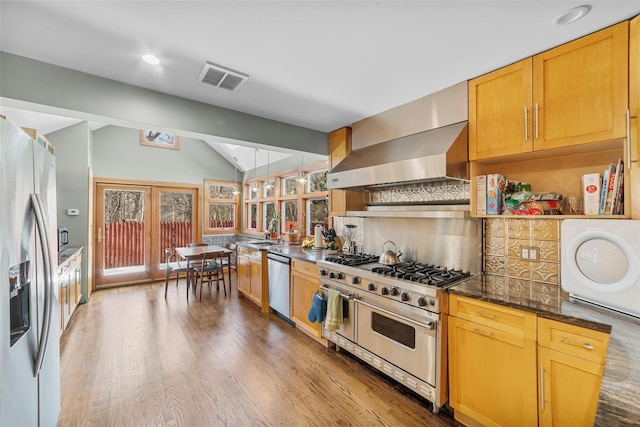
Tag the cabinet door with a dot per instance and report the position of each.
(569, 389)
(492, 375)
(303, 288)
(244, 281)
(255, 265)
(500, 112)
(339, 146)
(581, 89)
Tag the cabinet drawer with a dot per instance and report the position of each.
(574, 340)
(495, 316)
(242, 250)
(308, 268)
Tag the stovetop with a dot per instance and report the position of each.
(353, 260)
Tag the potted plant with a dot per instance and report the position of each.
(295, 235)
(274, 224)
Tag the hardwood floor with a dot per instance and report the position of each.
(132, 358)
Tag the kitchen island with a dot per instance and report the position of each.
(618, 403)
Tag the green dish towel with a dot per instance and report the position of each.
(334, 318)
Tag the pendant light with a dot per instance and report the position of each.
(235, 176)
(301, 177)
(268, 185)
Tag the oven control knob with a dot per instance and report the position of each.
(372, 286)
(355, 280)
(384, 290)
(405, 296)
(340, 275)
(422, 301)
(332, 275)
(395, 291)
(432, 302)
(323, 272)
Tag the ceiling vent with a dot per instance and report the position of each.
(224, 78)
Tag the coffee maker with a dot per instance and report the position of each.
(349, 245)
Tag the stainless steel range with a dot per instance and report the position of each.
(393, 318)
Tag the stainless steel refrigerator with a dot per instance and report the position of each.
(29, 309)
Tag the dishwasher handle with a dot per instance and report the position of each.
(279, 258)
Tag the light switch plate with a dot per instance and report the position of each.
(73, 212)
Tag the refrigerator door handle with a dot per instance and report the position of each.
(36, 203)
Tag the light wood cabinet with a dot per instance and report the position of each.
(493, 378)
(571, 364)
(573, 94)
(252, 280)
(341, 201)
(69, 275)
(549, 119)
(304, 283)
(634, 111)
(492, 364)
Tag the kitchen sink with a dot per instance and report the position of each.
(261, 242)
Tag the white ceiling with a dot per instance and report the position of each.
(317, 64)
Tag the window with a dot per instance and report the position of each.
(317, 182)
(253, 191)
(317, 213)
(269, 191)
(269, 211)
(289, 186)
(289, 215)
(221, 207)
(252, 215)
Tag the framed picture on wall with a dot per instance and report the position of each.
(155, 138)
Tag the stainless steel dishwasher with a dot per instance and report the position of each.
(279, 272)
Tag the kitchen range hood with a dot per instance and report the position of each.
(433, 155)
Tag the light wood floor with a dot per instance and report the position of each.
(131, 358)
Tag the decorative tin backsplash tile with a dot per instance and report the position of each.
(542, 229)
(514, 234)
(495, 227)
(494, 246)
(518, 288)
(452, 190)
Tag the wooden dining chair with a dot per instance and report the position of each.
(209, 271)
(173, 267)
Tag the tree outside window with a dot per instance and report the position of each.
(289, 215)
(317, 214)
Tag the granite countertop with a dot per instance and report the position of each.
(291, 251)
(618, 403)
(67, 253)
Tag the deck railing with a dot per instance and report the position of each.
(125, 244)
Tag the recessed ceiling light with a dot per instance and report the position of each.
(572, 15)
(150, 59)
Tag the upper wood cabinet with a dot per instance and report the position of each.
(340, 201)
(570, 95)
(500, 112)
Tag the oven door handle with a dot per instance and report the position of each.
(431, 325)
(343, 296)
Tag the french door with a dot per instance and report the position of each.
(135, 223)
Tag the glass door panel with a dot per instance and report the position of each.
(123, 234)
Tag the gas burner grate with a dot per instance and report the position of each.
(427, 274)
(357, 259)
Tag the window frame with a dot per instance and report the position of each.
(208, 201)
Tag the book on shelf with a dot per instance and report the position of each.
(618, 204)
(610, 185)
(591, 193)
(604, 189)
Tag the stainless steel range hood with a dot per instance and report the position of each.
(423, 140)
(432, 155)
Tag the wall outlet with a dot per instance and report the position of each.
(529, 253)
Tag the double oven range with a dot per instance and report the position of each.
(393, 318)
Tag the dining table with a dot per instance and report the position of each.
(194, 251)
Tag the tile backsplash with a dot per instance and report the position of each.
(437, 191)
(510, 275)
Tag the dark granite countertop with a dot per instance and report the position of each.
(618, 404)
(285, 249)
(67, 253)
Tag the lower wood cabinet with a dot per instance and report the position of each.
(304, 283)
(252, 279)
(571, 364)
(492, 364)
(494, 379)
(69, 275)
